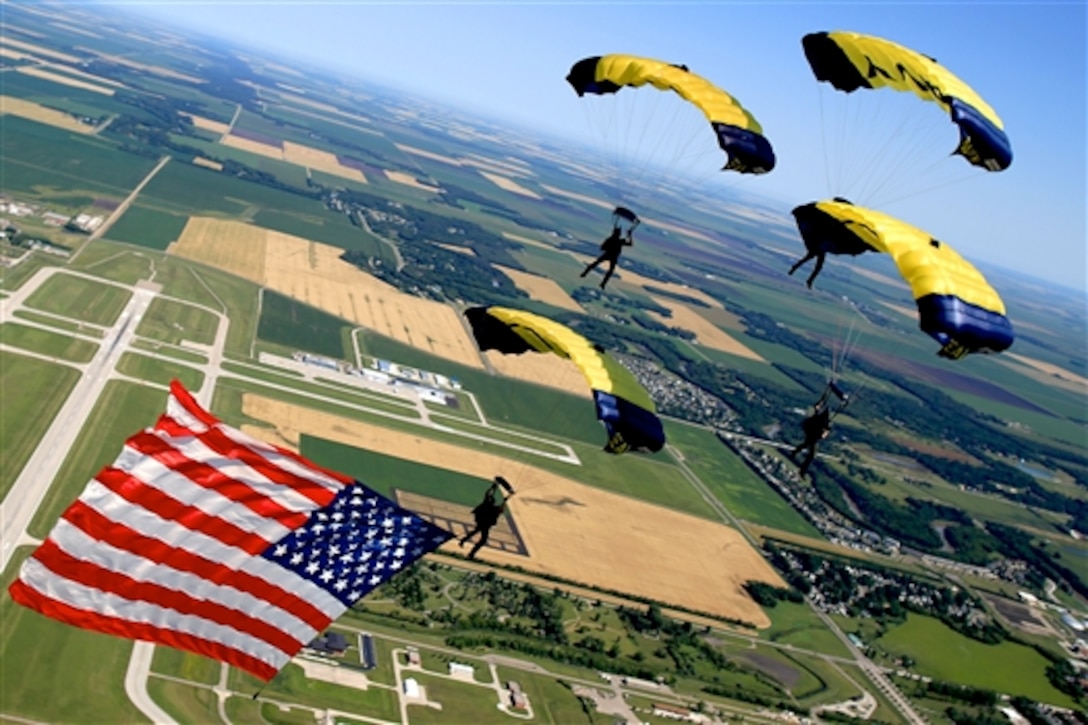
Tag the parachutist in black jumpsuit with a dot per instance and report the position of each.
(816, 427)
(611, 249)
(487, 514)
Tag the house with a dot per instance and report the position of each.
(330, 643)
(518, 700)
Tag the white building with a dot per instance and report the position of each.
(411, 689)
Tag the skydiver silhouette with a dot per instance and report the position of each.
(816, 427)
(611, 249)
(487, 513)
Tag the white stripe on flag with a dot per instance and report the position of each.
(117, 509)
(158, 476)
(77, 544)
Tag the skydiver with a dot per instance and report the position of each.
(487, 513)
(818, 425)
(611, 249)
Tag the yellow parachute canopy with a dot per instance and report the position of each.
(739, 133)
(850, 61)
(623, 405)
(956, 304)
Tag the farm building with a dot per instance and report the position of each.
(330, 643)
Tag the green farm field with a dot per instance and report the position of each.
(731, 481)
(171, 322)
(159, 371)
(943, 654)
(288, 322)
(146, 226)
(81, 299)
(796, 624)
(34, 391)
(44, 342)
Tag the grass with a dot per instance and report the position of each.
(33, 392)
(292, 685)
(731, 481)
(53, 344)
(58, 323)
(180, 280)
(461, 702)
(291, 323)
(234, 296)
(156, 370)
(122, 410)
(37, 654)
(113, 262)
(371, 401)
(551, 701)
(161, 350)
(145, 226)
(384, 473)
(944, 654)
(81, 299)
(171, 322)
(796, 624)
(185, 665)
(184, 703)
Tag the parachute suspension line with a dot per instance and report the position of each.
(823, 137)
(967, 177)
(901, 169)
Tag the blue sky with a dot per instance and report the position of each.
(508, 60)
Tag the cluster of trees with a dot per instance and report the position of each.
(768, 595)
(744, 695)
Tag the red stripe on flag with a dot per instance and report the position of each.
(54, 609)
(212, 478)
(140, 494)
(225, 446)
(120, 536)
(94, 576)
(180, 394)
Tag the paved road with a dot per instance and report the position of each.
(22, 502)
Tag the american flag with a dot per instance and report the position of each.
(205, 539)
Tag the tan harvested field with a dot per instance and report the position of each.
(527, 240)
(677, 289)
(881, 278)
(77, 31)
(577, 197)
(63, 79)
(38, 50)
(408, 180)
(427, 154)
(541, 288)
(1048, 373)
(314, 273)
(228, 245)
(319, 160)
(34, 112)
(549, 370)
(705, 333)
(571, 530)
(911, 312)
(498, 167)
(507, 184)
(156, 69)
(254, 147)
(459, 250)
(724, 318)
(91, 77)
(678, 230)
(207, 163)
(14, 54)
(208, 124)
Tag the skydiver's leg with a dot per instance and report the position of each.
(468, 535)
(484, 534)
(801, 262)
(611, 268)
(808, 460)
(592, 265)
(816, 270)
